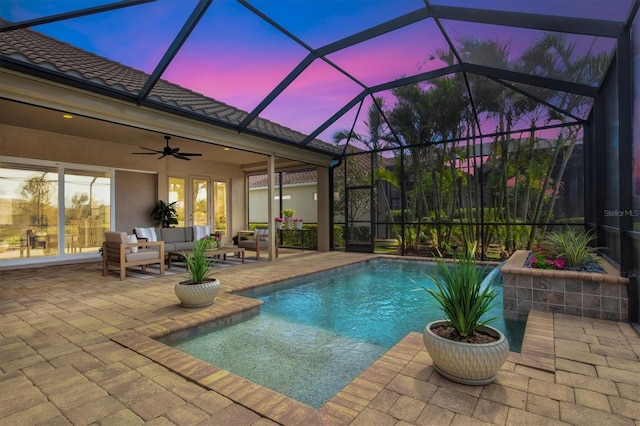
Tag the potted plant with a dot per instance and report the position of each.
(199, 289)
(279, 222)
(288, 217)
(164, 214)
(298, 222)
(462, 346)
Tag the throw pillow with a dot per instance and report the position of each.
(199, 232)
(132, 239)
(148, 233)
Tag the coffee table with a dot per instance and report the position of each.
(222, 251)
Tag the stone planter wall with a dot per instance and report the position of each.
(604, 296)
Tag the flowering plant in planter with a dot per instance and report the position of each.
(546, 257)
(211, 242)
(298, 219)
(569, 250)
(279, 219)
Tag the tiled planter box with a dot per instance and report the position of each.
(604, 296)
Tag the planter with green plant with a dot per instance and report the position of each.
(463, 347)
(569, 251)
(562, 274)
(199, 289)
(288, 217)
(164, 214)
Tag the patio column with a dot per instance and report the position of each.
(324, 220)
(271, 181)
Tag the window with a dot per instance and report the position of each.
(87, 208)
(32, 224)
(177, 194)
(220, 208)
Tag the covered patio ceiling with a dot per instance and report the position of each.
(296, 72)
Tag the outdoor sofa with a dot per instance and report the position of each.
(175, 239)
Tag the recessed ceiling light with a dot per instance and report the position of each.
(67, 116)
(227, 149)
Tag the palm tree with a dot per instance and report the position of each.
(553, 56)
(373, 141)
(505, 107)
(424, 118)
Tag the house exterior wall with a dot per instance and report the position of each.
(32, 144)
(301, 200)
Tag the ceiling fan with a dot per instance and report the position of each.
(168, 151)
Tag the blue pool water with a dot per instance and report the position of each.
(316, 334)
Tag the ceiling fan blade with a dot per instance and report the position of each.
(162, 156)
(181, 157)
(190, 154)
(153, 151)
(146, 153)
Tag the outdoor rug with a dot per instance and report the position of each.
(179, 268)
(153, 271)
(217, 263)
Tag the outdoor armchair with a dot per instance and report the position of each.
(118, 252)
(257, 240)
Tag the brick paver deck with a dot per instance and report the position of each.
(77, 348)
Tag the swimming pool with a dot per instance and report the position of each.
(315, 334)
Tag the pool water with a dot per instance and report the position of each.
(314, 335)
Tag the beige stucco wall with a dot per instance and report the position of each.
(55, 145)
(35, 144)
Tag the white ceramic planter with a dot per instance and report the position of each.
(197, 295)
(466, 363)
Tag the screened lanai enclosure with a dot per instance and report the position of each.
(445, 124)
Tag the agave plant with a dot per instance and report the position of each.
(461, 295)
(573, 246)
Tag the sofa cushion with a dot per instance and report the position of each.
(173, 235)
(133, 239)
(184, 245)
(148, 233)
(118, 237)
(199, 232)
(142, 255)
(115, 237)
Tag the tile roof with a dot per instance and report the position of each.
(38, 49)
(289, 178)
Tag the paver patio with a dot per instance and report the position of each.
(77, 348)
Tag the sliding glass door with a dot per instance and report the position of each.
(87, 209)
(50, 210)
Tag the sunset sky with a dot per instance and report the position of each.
(236, 57)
